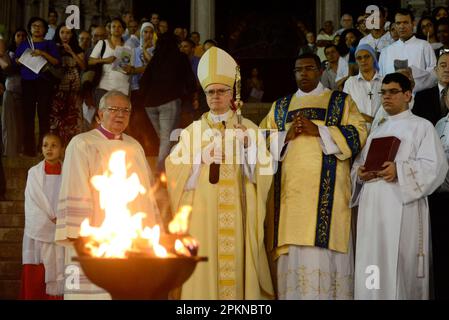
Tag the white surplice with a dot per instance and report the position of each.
(41, 195)
(420, 57)
(88, 155)
(393, 218)
(313, 273)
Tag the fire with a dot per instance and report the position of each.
(122, 232)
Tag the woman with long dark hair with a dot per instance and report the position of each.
(426, 30)
(12, 113)
(37, 89)
(66, 111)
(167, 79)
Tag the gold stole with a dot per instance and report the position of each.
(226, 225)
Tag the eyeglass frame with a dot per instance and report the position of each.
(220, 92)
(117, 110)
(306, 68)
(392, 92)
(442, 51)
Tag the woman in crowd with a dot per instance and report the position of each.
(426, 30)
(140, 126)
(167, 79)
(111, 79)
(66, 113)
(12, 113)
(37, 89)
(440, 12)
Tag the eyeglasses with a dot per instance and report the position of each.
(115, 110)
(389, 92)
(37, 25)
(306, 68)
(219, 92)
(443, 51)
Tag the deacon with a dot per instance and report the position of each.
(322, 130)
(392, 256)
(88, 155)
(210, 181)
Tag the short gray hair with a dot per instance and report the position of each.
(110, 94)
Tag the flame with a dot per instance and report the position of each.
(163, 178)
(122, 232)
(180, 223)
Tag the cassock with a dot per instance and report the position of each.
(310, 232)
(216, 217)
(393, 218)
(43, 259)
(88, 155)
(420, 58)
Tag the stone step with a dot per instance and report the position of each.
(12, 220)
(19, 162)
(9, 289)
(12, 207)
(10, 270)
(15, 194)
(11, 251)
(11, 235)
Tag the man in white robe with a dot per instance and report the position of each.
(88, 155)
(392, 250)
(417, 53)
(380, 38)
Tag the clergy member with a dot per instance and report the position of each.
(411, 52)
(365, 86)
(237, 267)
(310, 239)
(393, 248)
(88, 155)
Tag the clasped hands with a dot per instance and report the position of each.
(389, 173)
(302, 126)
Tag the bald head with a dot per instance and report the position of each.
(99, 33)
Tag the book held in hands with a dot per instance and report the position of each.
(380, 151)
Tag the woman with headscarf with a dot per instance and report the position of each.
(140, 127)
(364, 87)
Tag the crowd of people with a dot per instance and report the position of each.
(83, 66)
(315, 221)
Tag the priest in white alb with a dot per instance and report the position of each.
(411, 52)
(393, 248)
(88, 155)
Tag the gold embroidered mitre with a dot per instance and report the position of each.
(216, 66)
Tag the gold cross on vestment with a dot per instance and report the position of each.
(412, 174)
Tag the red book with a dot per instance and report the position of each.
(381, 150)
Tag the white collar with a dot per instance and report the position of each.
(215, 118)
(404, 114)
(410, 40)
(318, 90)
(376, 77)
(440, 87)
